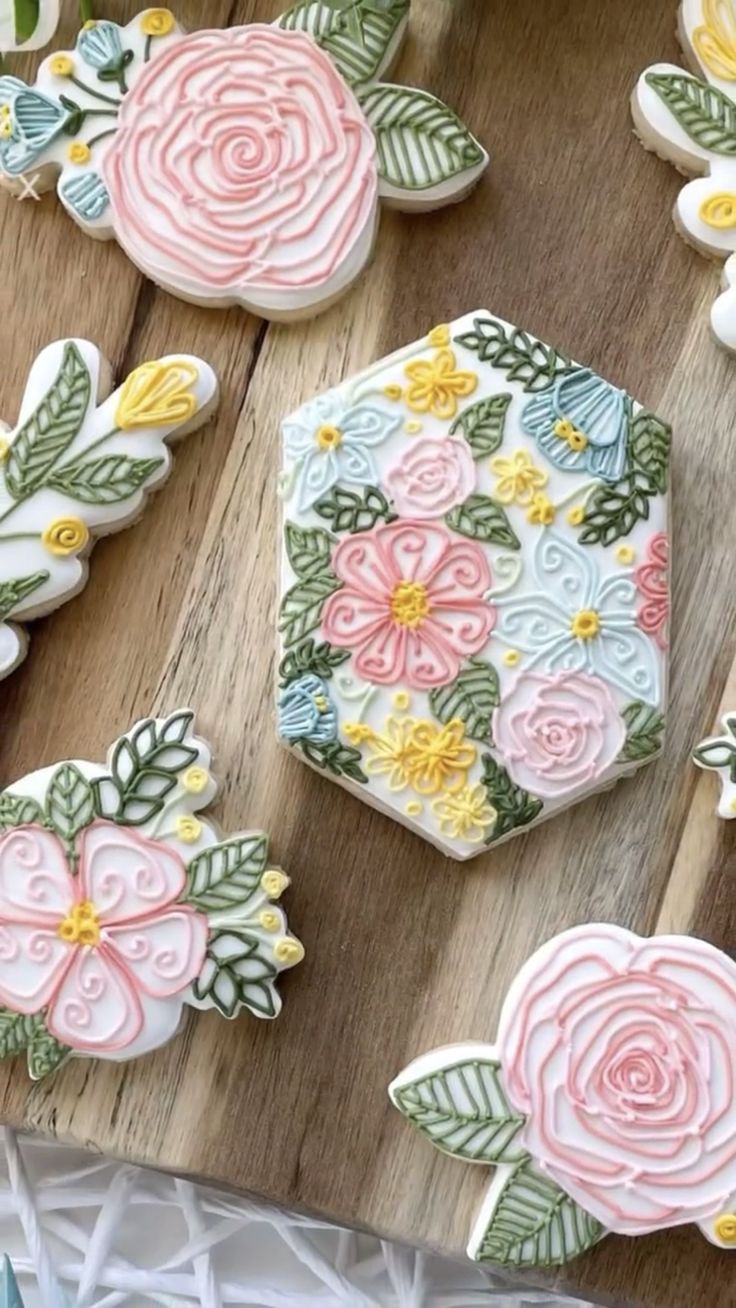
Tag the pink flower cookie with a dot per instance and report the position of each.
(607, 1104)
(240, 166)
(119, 905)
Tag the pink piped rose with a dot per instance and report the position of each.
(244, 168)
(106, 951)
(411, 606)
(621, 1054)
(557, 733)
(432, 477)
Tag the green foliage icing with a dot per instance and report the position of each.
(514, 806)
(19, 1034)
(309, 549)
(463, 1110)
(521, 357)
(144, 769)
(613, 511)
(44, 1054)
(483, 519)
(357, 34)
(707, 115)
(421, 143)
(107, 480)
(718, 752)
(341, 760)
(51, 428)
(17, 589)
(348, 511)
(644, 732)
(471, 697)
(226, 876)
(482, 425)
(535, 1224)
(238, 973)
(321, 660)
(69, 803)
(649, 443)
(301, 607)
(18, 810)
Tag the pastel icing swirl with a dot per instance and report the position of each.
(243, 168)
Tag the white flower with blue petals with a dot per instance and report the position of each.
(581, 423)
(332, 443)
(29, 122)
(306, 712)
(578, 622)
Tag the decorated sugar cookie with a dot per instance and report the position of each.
(718, 754)
(243, 166)
(79, 465)
(606, 1104)
(27, 24)
(690, 119)
(120, 903)
(475, 596)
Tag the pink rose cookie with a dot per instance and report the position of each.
(243, 166)
(119, 904)
(607, 1103)
(474, 609)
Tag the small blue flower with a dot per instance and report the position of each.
(581, 424)
(332, 443)
(29, 122)
(100, 45)
(86, 195)
(306, 712)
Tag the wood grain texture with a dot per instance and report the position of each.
(569, 236)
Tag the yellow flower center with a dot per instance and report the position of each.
(62, 66)
(328, 437)
(567, 431)
(79, 153)
(410, 603)
(542, 511)
(195, 780)
(357, 732)
(157, 22)
(575, 515)
(289, 951)
(81, 926)
(188, 829)
(586, 624)
(725, 1228)
(65, 536)
(6, 128)
(274, 882)
(269, 920)
(321, 703)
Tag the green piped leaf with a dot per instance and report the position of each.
(348, 511)
(481, 518)
(650, 440)
(44, 1053)
(644, 732)
(421, 143)
(16, 1030)
(144, 769)
(51, 428)
(463, 1110)
(106, 480)
(482, 425)
(357, 34)
(301, 607)
(238, 972)
(341, 760)
(535, 1224)
(69, 802)
(12, 592)
(707, 115)
(520, 356)
(471, 697)
(613, 511)
(309, 549)
(18, 810)
(321, 660)
(514, 806)
(225, 876)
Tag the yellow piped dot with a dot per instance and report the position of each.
(328, 437)
(392, 391)
(65, 536)
(188, 829)
(274, 882)
(439, 336)
(4, 449)
(269, 920)
(412, 427)
(79, 153)
(4, 111)
(575, 515)
(625, 554)
(62, 66)
(289, 951)
(6, 129)
(414, 808)
(586, 624)
(511, 658)
(195, 780)
(719, 210)
(357, 732)
(725, 1228)
(402, 699)
(157, 22)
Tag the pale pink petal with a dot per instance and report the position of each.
(32, 962)
(414, 550)
(361, 563)
(382, 658)
(464, 628)
(164, 954)
(429, 660)
(96, 1008)
(461, 574)
(126, 876)
(350, 618)
(35, 884)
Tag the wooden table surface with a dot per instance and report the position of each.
(569, 235)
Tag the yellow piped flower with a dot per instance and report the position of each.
(157, 22)
(542, 511)
(725, 1228)
(269, 920)
(465, 815)
(65, 536)
(358, 733)
(421, 754)
(158, 394)
(392, 753)
(436, 384)
(188, 829)
(289, 951)
(715, 41)
(576, 515)
(62, 66)
(719, 210)
(517, 478)
(195, 780)
(274, 883)
(439, 337)
(79, 153)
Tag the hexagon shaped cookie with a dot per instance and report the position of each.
(474, 584)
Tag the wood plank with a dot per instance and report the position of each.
(569, 235)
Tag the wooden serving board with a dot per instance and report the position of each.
(568, 235)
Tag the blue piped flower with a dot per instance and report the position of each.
(31, 121)
(100, 45)
(86, 195)
(306, 711)
(581, 424)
